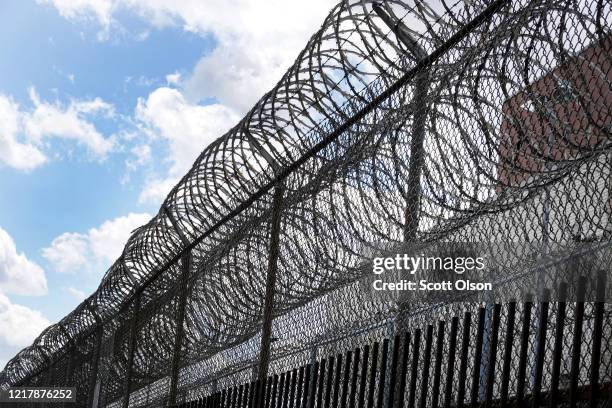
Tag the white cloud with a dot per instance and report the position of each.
(19, 325)
(21, 156)
(95, 250)
(87, 9)
(142, 156)
(187, 128)
(18, 274)
(156, 189)
(174, 78)
(143, 35)
(257, 40)
(77, 294)
(68, 252)
(108, 240)
(69, 122)
(23, 132)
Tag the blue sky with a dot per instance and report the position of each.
(104, 104)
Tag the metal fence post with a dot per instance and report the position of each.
(72, 349)
(180, 313)
(132, 345)
(420, 110)
(92, 402)
(178, 337)
(266, 331)
(51, 373)
(68, 371)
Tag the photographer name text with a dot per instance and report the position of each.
(434, 266)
